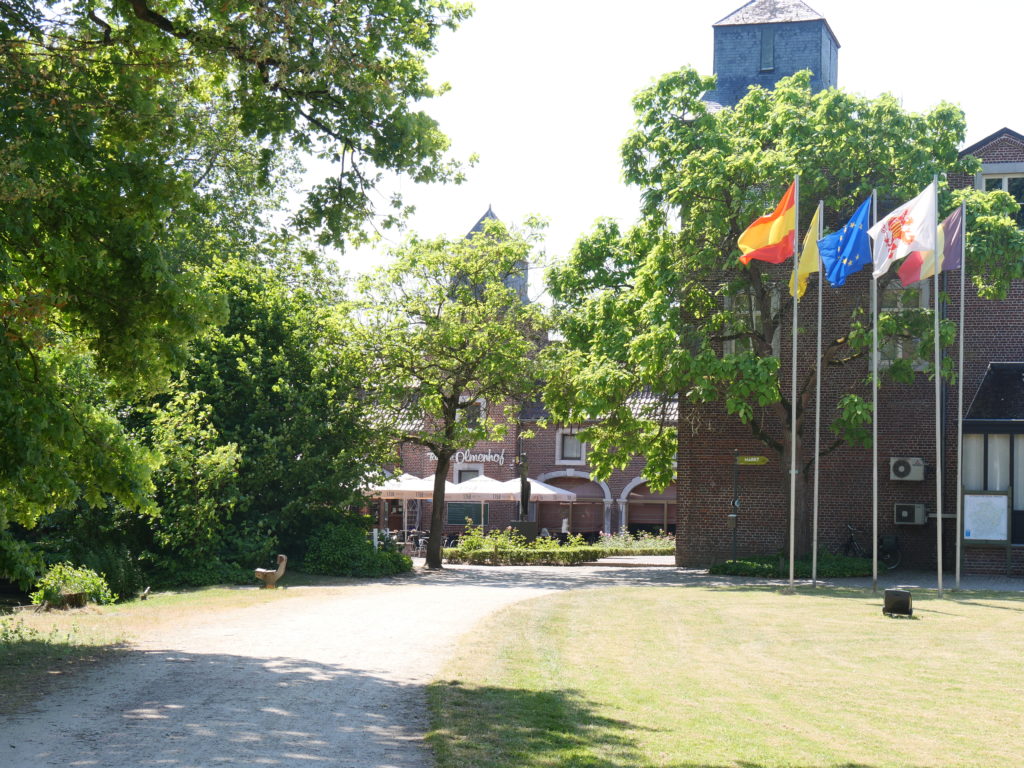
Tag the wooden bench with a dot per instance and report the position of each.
(269, 577)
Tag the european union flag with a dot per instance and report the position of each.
(848, 250)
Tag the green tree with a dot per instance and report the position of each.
(652, 308)
(138, 142)
(283, 381)
(443, 330)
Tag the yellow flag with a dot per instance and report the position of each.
(808, 257)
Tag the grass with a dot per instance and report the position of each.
(38, 651)
(744, 678)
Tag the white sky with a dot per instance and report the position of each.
(541, 89)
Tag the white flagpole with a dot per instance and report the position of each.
(874, 412)
(792, 418)
(960, 396)
(817, 408)
(938, 398)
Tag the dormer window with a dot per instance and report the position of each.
(767, 48)
(1012, 184)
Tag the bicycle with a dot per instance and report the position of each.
(889, 553)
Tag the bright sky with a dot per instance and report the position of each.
(541, 90)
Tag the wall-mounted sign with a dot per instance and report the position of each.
(751, 461)
(468, 457)
(987, 517)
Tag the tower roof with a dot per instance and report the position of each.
(479, 226)
(773, 12)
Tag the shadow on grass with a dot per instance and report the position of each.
(495, 727)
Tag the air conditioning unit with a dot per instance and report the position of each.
(909, 514)
(906, 468)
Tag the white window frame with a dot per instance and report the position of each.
(1002, 171)
(482, 402)
(558, 447)
(459, 467)
(729, 347)
(924, 292)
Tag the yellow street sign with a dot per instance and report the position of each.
(751, 461)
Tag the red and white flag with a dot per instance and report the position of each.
(909, 228)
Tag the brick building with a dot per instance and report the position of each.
(553, 455)
(994, 404)
(758, 44)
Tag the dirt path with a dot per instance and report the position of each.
(333, 678)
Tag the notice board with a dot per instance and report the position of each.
(987, 517)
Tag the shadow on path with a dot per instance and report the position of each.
(181, 710)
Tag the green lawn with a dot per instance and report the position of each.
(687, 677)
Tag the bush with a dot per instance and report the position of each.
(775, 566)
(523, 556)
(642, 543)
(344, 549)
(64, 579)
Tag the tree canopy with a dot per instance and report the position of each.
(667, 307)
(138, 143)
(445, 330)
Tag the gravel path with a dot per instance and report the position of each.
(335, 677)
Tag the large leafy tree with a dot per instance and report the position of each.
(444, 329)
(655, 308)
(138, 141)
(283, 381)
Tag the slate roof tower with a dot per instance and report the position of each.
(766, 40)
(519, 281)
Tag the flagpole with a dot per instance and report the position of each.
(938, 398)
(874, 411)
(960, 396)
(817, 408)
(792, 418)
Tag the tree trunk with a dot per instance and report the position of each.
(437, 512)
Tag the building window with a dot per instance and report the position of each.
(473, 412)
(464, 473)
(896, 298)
(476, 511)
(1011, 183)
(995, 462)
(569, 449)
(767, 48)
(748, 317)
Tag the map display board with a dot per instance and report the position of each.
(986, 517)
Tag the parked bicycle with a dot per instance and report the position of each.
(889, 553)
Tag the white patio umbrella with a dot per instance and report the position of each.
(481, 488)
(540, 491)
(405, 487)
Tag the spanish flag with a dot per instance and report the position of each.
(770, 238)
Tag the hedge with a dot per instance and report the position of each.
(776, 566)
(559, 556)
(620, 552)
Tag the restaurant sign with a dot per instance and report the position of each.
(468, 457)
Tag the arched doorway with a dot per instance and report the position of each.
(588, 515)
(644, 510)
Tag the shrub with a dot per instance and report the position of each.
(344, 549)
(64, 579)
(644, 542)
(774, 566)
(523, 556)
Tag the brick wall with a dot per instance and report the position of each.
(994, 332)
